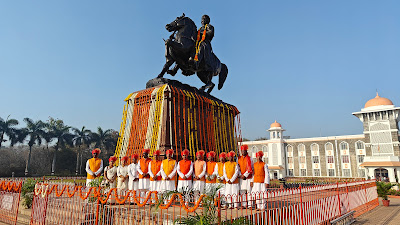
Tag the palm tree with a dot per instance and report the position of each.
(18, 136)
(7, 127)
(82, 137)
(103, 139)
(61, 134)
(35, 131)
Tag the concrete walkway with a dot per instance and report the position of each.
(381, 214)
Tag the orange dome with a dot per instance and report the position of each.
(377, 101)
(275, 124)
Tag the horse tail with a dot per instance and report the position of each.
(222, 76)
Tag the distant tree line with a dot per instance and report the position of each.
(50, 147)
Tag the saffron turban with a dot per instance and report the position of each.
(96, 150)
(231, 154)
(260, 154)
(135, 156)
(157, 152)
(125, 158)
(200, 153)
(112, 159)
(244, 147)
(222, 155)
(169, 152)
(212, 154)
(146, 151)
(185, 152)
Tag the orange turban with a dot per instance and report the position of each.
(96, 150)
(231, 154)
(112, 159)
(185, 152)
(135, 156)
(260, 153)
(169, 152)
(146, 151)
(157, 152)
(222, 155)
(200, 153)
(125, 158)
(244, 147)
(212, 154)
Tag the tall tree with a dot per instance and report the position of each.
(35, 132)
(7, 127)
(61, 135)
(82, 137)
(18, 136)
(103, 139)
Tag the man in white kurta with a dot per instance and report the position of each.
(246, 170)
(155, 172)
(260, 181)
(143, 170)
(200, 169)
(185, 171)
(231, 174)
(122, 173)
(219, 172)
(133, 183)
(94, 166)
(168, 172)
(110, 172)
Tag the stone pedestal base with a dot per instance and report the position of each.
(175, 116)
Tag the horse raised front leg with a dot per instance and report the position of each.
(174, 70)
(165, 68)
(208, 86)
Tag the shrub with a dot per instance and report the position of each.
(27, 192)
(383, 189)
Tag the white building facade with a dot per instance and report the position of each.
(373, 154)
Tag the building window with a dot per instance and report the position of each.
(360, 158)
(346, 172)
(290, 172)
(289, 148)
(290, 159)
(317, 173)
(328, 146)
(302, 148)
(331, 172)
(302, 159)
(361, 172)
(315, 159)
(273, 134)
(344, 146)
(360, 145)
(278, 135)
(330, 159)
(303, 172)
(345, 159)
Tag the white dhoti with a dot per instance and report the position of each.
(133, 185)
(198, 185)
(244, 187)
(122, 185)
(144, 184)
(167, 185)
(231, 194)
(259, 194)
(155, 185)
(113, 184)
(184, 185)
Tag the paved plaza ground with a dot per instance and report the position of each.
(382, 215)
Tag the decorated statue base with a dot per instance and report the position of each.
(172, 115)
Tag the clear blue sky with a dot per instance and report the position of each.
(308, 64)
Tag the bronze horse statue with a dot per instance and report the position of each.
(181, 47)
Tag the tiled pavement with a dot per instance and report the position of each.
(381, 214)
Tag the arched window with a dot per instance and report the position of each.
(265, 148)
(254, 149)
(360, 145)
(289, 148)
(328, 146)
(344, 146)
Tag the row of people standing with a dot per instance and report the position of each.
(242, 177)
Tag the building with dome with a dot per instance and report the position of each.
(373, 154)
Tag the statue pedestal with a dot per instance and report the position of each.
(170, 115)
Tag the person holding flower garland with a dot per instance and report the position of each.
(94, 166)
(231, 176)
(110, 172)
(143, 170)
(168, 172)
(122, 173)
(260, 181)
(211, 171)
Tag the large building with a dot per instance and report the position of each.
(373, 154)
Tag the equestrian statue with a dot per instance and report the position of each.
(190, 49)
